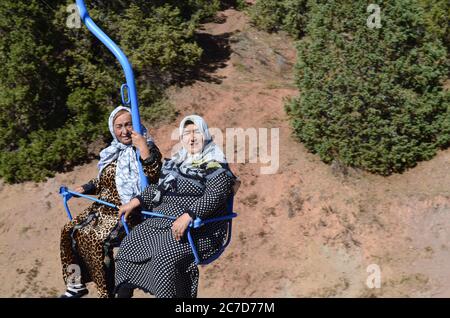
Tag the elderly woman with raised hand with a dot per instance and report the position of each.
(156, 257)
(87, 240)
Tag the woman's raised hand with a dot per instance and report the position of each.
(140, 142)
(128, 208)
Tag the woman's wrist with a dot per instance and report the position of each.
(134, 203)
(87, 188)
(147, 157)
(191, 214)
(144, 152)
(139, 203)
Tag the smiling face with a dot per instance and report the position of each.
(122, 127)
(192, 139)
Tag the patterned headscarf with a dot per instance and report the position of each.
(210, 151)
(194, 166)
(127, 172)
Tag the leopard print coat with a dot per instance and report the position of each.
(88, 240)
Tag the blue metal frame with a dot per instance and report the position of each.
(68, 194)
(129, 76)
(198, 223)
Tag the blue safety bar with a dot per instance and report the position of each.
(198, 222)
(129, 87)
(68, 194)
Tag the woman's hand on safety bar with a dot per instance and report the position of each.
(79, 189)
(180, 225)
(128, 208)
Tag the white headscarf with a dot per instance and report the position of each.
(127, 171)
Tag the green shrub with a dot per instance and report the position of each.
(437, 19)
(31, 81)
(371, 98)
(276, 15)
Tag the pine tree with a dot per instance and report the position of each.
(32, 92)
(371, 97)
(437, 16)
(276, 15)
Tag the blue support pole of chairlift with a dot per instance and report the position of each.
(130, 86)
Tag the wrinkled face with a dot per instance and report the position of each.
(192, 139)
(123, 127)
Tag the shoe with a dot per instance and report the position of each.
(75, 293)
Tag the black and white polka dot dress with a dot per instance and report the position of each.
(152, 260)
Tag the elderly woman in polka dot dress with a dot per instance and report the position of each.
(156, 256)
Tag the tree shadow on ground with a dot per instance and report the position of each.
(216, 52)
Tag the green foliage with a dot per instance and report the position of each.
(162, 111)
(159, 43)
(276, 15)
(58, 84)
(236, 4)
(31, 83)
(437, 15)
(371, 98)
